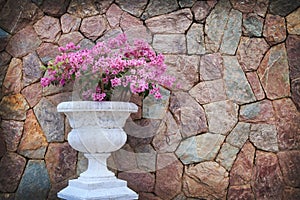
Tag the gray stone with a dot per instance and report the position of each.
(199, 148)
(201, 9)
(238, 88)
(232, 33)
(195, 39)
(186, 3)
(35, 183)
(258, 112)
(169, 43)
(253, 25)
(82, 163)
(211, 67)
(4, 38)
(31, 69)
(227, 155)
(135, 7)
(146, 158)
(86, 44)
(264, 136)
(113, 15)
(125, 159)
(50, 120)
(239, 135)
(222, 116)
(155, 8)
(255, 85)
(283, 7)
(47, 52)
(11, 132)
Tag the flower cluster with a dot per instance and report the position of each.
(109, 65)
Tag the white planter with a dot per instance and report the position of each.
(97, 130)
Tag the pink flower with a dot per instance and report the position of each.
(115, 82)
(45, 82)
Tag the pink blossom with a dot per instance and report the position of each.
(115, 82)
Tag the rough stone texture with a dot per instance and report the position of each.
(267, 178)
(93, 27)
(4, 38)
(243, 6)
(252, 25)
(215, 25)
(261, 7)
(211, 67)
(74, 37)
(113, 15)
(264, 136)
(32, 94)
(287, 122)
(238, 88)
(148, 196)
(169, 43)
(240, 193)
(61, 161)
(13, 80)
(33, 143)
(3, 149)
(52, 26)
(155, 8)
(291, 193)
(227, 155)
(293, 24)
(283, 7)
(239, 135)
(273, 73)
(139, 181)
(50, 120)
(35, 183)
(222, 116)
(232, 33)
(135, 7)
(13, 107)
(258, 112)
(11, 169)
(186, 3)
(206, 180)
(5, 58)
(209, 91)
(250, 52)
(146, 158)
(88, 8)
(47, 52)
(274, 29)
(289, 163)
(201, 9)
(23, 42)
(31, 69)
(242, 169)
(190, 114)
(125, 159)
(170, 174)
(256, 86)
(54, 7)
(176, 22)
(199, 148)
(195, 39)
(69, 23)
(11, 132)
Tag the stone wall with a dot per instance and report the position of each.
(232, 130)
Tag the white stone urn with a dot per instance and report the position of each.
(97, 130)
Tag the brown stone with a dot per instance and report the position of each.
(211, 67)
(88, 8)
(139, 181)
(241, 171)
(32, 93)
(114, 14)
(93, 27)
(4, 58)
(201, 9)
(125, 159)
(168, 178)
(11, 169)
(4, 38)
(261, 7)
(23, 42)
(274, 29)
(283, 7)
(207, 180)
(293, 22)
(291, 193)
(31, 69)
(244, 6)
(250, 52)
(61, 97)
(33, 143)
(134, 7)
(55, 7)
(255, 85)
(55, 188)
(148, 196)
(12, 83)
(74, 37)
(273, 73)
(69, 23)
(290, 166)
(13, 107)
(61, 161)
(287, 122)
(48, 29)
(12, 133)
(267, 181)
(240, 193)
(47, 52)
(2, 146)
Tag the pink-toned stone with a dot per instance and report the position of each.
(267, 181)
(273, 72)
(23, 42)
(240, 193)
(55, 7)
(287, 122)
(261, 7)
(56, 187)
(189, 113)
(207, 180)
(274, 29)
(74, 37)
(60, 161)
(289, 162)
(255, 84)
(13, 80)
(4, 58)
(61, 97)
(148, 196)
(114, 14)
(5, 37)
(168, 179)
(11, 169)
(175, 22)
(209, 91)
(250, 52)
(134, 7)
(93, 27)
(241, 171)
(125, 159)
(13, 107)
(211, 67)
(31, 69)
(291, 193)
(33, 143)
(12, 133)
(69, 23)
(139, 181)
(48, 29)
(293, 22)
(201, 9)
(32, 93)
(244, 6)
(47, 52)
(128, 21)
